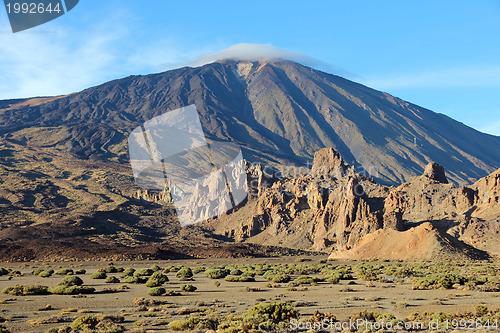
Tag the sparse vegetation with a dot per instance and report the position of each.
(188, 287)
(112, 279)
(71, 290)
(128, 272)
(216, 273)
(99, 275)
(46, 274)
(157, 291)
(20, 290)
(184, 273)
(438, 281)
(143, 272)
(71, 281)
(64, 271)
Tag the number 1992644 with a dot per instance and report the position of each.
(32, 8)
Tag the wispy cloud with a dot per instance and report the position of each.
(58, 62)
(479, 76)
(253, 52)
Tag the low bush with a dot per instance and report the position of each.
(192, 323)
(144, 272)
(438, 281)
(155, 268)
(274, 312)
(236, 271)
(302, 259)
(199, 269)
(45, 274)
(35, 271)
(85, 323)
(80, 271)
(128, 272)
(135, 279)
(20, 290)
(3, 271)
(71, 281)
(307, 280)
(110, 269)
(71, 290)
(276, 276)
(216, 273)
(112, 279)
(184, 273)
(14, 273)
(188, 287)
(241, 278)
(162, 278)
(64, 271)
(98, 275)
(153, 283)
(157, 291)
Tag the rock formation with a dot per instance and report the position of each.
(333, 208)
(328, 207)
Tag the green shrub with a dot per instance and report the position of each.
(199, 269)
(128, 272)
(15, 273)
(20, 290)
(242, 278)
(144, 272)
(157, 291)
(155, 268)
(437, 281)
(192, 323)
(64, 271)
(188, 287)
(153, 283)
(216, 273)
(112, 279)
(35, 271)
(45, 274)
(276, 277)
(307, 280)
(98, 275)
(162, 278)
(184, 273)
(275, 312)
(366, 272)
(302, 259)
(110, 269)
(80, 271)
(236, 271)
(136, 279)
(71, 290)
(281, 278)
(71, 281)
(87, 322)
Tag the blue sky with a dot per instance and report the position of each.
(443, 55)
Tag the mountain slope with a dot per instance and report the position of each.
(280, 112)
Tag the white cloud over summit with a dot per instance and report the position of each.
(254, 52)
(251, 52)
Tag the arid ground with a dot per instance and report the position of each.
(314, 288)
